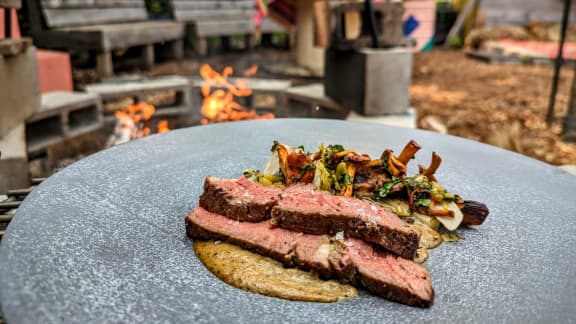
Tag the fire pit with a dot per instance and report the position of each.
(220, 105)
(103, 240)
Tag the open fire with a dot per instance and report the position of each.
(134, 122)
(219, 105)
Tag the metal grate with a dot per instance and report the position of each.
(10, 202)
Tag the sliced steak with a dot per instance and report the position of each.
(351, 260)
(239, 199)
(302, 209)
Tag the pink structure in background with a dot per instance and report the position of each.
(54, 69)
(15, 27)
(424, 11)
(538, 49)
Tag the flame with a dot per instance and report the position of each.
(133, 120)
(162, 127)
(138, 112)
(251, 71)
(219, 106)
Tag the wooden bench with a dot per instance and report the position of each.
(101, 27)
(214, 18)
(10, 4)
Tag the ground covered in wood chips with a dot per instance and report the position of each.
(502, 105)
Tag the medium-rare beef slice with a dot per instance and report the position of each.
(390, 276)
(239, 199)
(302, 209)
(276, 243)
(351, 261)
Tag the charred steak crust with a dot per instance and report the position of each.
(351, 261)
(239, 199)
(302, 209)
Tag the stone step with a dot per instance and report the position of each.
(62, 115)
(570, 168)
(140, 89)
(309, 101)
(407, 119)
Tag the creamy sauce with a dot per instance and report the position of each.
(429, 239)
(253, 272)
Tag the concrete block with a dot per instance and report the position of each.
(505, 16)
(14, 46)
(19, 90)
(549, 15)
(140, 89)
(13, 145)
(14, 174)
(372, 82)
(520, 12)
(14, 171)
(63, 115)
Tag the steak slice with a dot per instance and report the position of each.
(239, 199)
(302, 209)
(351, 260)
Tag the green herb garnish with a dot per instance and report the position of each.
(337, 148)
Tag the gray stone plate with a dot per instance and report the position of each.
(103, 240)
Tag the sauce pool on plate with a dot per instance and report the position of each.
(250, 271)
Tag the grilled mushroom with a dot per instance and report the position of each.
(474, 212)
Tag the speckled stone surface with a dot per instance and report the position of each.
(103, 240)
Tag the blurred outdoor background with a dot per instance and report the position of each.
(77, 76)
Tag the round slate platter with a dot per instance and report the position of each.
(103, 240)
